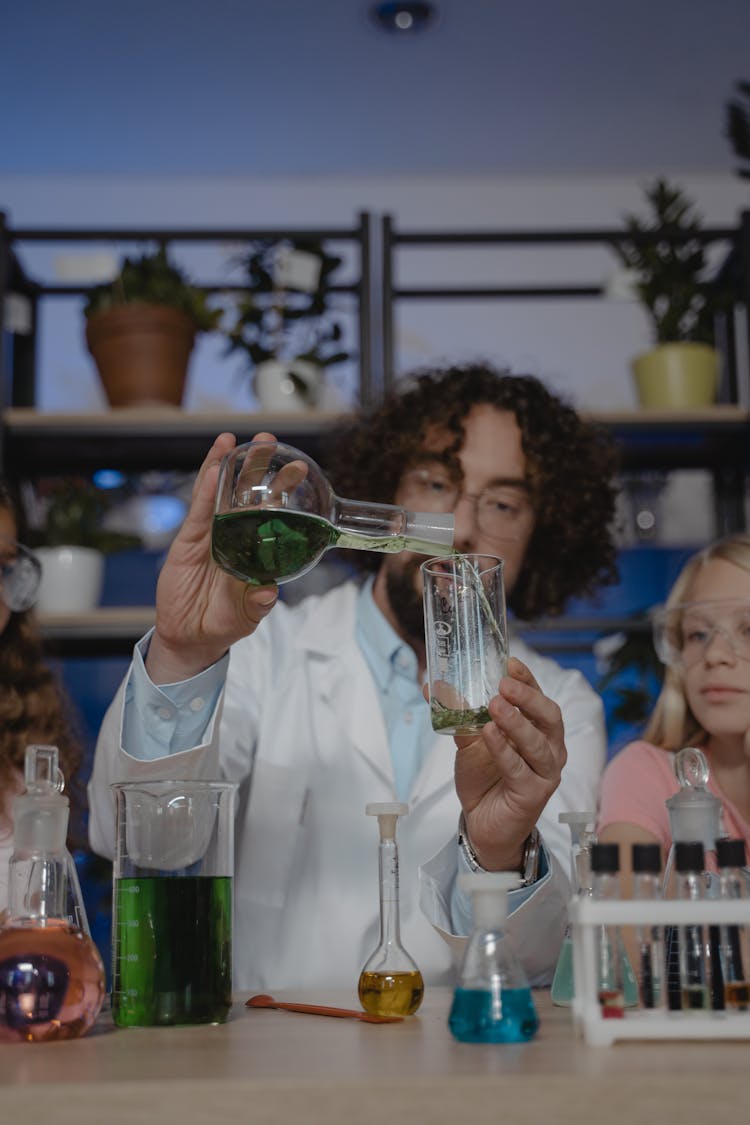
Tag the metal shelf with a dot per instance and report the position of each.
(39, 443)
(107, 631)
(140, 439)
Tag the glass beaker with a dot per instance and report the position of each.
(466, 639)
(172, 923)
(276, 514)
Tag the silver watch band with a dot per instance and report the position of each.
(529, 871)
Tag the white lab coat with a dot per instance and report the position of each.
(301, 730)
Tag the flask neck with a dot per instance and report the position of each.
(367, 526)
(38, 888)
(38, 869)
(390, 929)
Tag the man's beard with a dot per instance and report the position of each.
(406, 601)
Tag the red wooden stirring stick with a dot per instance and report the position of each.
(265, 1001)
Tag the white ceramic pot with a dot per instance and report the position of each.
(72, 579)
(276, 390)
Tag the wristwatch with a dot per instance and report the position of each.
(529, 870)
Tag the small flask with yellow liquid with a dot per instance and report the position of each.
(390, 984)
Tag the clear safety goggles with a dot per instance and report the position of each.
(501, 510)
(20, 575)
(683, 633)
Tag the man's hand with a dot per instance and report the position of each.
(200, 609)
(506, 775)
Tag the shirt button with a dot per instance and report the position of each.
(408, 716)
(164, 712)
(197, 704)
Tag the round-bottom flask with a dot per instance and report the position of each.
(390, 983)
(51, 981)
(492, 1002)
(51, 974)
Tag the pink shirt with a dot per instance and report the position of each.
(637, 782)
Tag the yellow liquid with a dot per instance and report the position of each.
(391, 994)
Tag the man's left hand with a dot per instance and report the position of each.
(506, 775)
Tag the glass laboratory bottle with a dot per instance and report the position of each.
(582, 837)
(694, 812)
(616, 982)
(390, 984)
(694, 815)
(492, 1002)
(276, 514)
(734, 940)
(692, 951)
(51, 974)
(646, 865)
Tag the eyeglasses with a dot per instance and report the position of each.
(20, 575)
(501, 510)
(683, 633)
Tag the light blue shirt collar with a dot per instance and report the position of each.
(386, 653)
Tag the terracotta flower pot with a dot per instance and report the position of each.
(681, 376)
(141, 353)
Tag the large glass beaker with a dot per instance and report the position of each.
(172, 924)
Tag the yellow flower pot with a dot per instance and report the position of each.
(681, 376)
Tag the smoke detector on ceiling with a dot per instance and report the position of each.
(403, 17)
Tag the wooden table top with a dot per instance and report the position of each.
(268, 1067)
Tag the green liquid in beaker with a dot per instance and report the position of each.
(173, 950)
(463, 721)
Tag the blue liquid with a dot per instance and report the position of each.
(472, 1019)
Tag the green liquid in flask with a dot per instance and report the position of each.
(173, 941)
(265, 545)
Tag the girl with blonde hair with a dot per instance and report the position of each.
(702, 635)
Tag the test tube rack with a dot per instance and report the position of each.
(586, 915)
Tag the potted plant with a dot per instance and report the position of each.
(67, 535)
(140, 329)
(669, 261)
(284, 325)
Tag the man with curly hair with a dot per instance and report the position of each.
(319, 709)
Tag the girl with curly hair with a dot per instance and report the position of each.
(33, 708)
